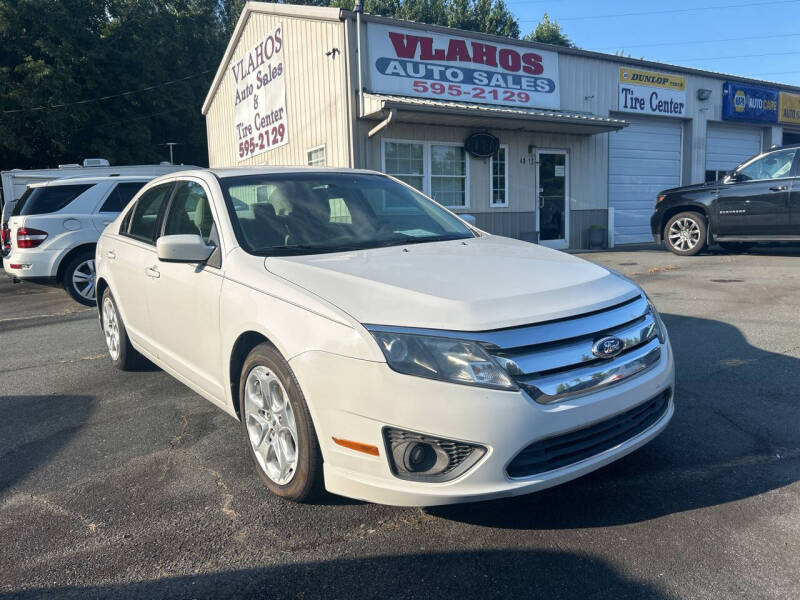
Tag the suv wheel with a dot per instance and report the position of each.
(79, 278)
(685, 233)
(277, 426)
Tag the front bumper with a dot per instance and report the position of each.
(355, 399)
(655, 226)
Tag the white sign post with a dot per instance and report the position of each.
(260, 97)
(412, 62)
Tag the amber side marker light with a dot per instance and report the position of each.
(357, 446)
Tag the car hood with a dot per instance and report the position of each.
(468, 285)
(690, 188)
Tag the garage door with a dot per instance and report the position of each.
(728, 146)
(643, 159)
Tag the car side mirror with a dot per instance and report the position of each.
(734, 177)
(189, 248)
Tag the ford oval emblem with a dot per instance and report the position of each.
(608, 347)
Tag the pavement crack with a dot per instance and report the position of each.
(227, 497)
(184, 426)
(37, 500)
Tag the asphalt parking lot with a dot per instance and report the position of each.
(129, 485)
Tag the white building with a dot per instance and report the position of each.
(576, 138)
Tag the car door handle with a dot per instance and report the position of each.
(778, 188)
(111, 255)
(152, 272)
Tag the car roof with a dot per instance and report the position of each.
(85, 180)
(785, 147)
(225, 172)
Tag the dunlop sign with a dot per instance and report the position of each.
(652, 93)
(413, 62)
(259, 101)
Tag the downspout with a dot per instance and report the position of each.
(359, 8)
(383, 123)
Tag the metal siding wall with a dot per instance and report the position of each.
(316, 88)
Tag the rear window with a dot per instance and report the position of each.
(42, 200)
(120, 196)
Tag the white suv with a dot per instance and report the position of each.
(372, 342)
(54, 227)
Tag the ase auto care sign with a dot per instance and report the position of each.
(652, 93)
(414, 62)
(260, 97)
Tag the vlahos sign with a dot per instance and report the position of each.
(259, 101)
(411, 62)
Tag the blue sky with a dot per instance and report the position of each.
(758, 39)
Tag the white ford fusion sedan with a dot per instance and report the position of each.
(374, 344)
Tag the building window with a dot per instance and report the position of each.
(438, 169)
(498, 177)
(449, 175)
(316, 156)
(406, 161)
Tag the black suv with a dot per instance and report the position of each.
(759, 201)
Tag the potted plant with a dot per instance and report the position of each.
(597, 236)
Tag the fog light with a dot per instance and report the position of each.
(419, 457)
(23, 267)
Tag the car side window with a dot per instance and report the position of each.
(144, 218)
(774, 165)
(120, 196)
(189, 212)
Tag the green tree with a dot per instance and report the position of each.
(110, 78)
(549, 32)
(486, 16)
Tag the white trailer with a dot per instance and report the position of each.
(16, 181)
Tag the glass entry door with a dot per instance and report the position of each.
(552, 212)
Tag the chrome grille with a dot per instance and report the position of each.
(554, 361)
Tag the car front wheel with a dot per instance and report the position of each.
(685, 233)
(122, 353)
(277, 426)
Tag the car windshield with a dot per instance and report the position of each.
(306, 213)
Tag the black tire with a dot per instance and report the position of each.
(306, 481)
(736, 246)
(696, 232)
(83, 262)
(127, 359)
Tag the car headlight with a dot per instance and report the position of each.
(445, 359)
(661, 329)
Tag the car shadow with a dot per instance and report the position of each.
(734, 435)
(774, 249)
(479, 574)
(34, 429)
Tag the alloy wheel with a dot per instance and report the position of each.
(684, 234)
(271, 426)
(83, 279)
(111, 328)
